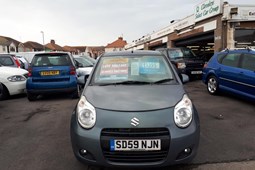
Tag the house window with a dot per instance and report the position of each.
(4, 49)
(12, 49)
(244, 37)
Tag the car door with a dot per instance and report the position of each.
(247, 72)
(229, 72)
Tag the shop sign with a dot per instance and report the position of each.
(143, 40)
(245, 13)
(207, 9)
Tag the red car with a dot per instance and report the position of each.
(10, 60)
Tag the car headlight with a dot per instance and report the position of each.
(16, 78)
(86, 113)
(183, 112)
(181, 65)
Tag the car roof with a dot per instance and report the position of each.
(7, 54)
(239, 50)
(76, 56)
(132, 53)
(51, 53)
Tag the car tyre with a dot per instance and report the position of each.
(212, 85)
(4, 93)
(31, 97)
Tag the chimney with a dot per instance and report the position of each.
(52, 41)
(120, 38)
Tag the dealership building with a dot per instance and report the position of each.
(214, 26)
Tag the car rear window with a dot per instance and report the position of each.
(51, 60)
(6, 61)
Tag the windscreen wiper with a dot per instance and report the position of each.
(162, 81)
(125, 82)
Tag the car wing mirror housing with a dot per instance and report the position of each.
(184, 78)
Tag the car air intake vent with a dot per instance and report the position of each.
(132, 134)
(135, 132)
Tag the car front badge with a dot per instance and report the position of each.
(135, 121)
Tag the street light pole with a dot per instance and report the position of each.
(43, 40)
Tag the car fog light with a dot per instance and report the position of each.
(187, 150)
(83, 151)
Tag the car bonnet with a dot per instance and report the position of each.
(12, 71)
(134, 98)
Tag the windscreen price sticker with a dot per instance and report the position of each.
(135, 145)
(115, 67)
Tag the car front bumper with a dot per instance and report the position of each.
(96, 142)
(16, 87)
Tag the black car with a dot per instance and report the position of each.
(185, 61)
(134, 112)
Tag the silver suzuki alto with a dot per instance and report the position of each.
(134, 112)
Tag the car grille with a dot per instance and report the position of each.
(195, 65)
(135, 133)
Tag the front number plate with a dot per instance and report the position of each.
(135, 145)
(196, 72)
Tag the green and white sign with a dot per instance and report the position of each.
(207, 9)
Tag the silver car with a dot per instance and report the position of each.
(84, 69)
(134, 112)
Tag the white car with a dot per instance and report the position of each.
(13, 81)
(84, 69)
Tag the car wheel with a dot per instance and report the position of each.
(212, 85)
(31, 97)
(76, 94)
(4, 93)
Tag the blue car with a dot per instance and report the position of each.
(52, 73)
(231, 71)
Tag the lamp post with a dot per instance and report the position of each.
(43, 39)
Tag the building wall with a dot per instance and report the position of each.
(3, 49)
(114, 49)
(12, 48)
(221, 22)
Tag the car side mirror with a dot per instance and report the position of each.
(184, 78)
(78, 64)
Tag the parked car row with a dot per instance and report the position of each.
(52, 72)
(231, 71)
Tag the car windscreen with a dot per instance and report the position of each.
(188, 53)
(180, 53)
(92, 60)
(6, 61)
(51, 60)
(84, 62)
(132, 69)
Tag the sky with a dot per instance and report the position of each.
(90, 22)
